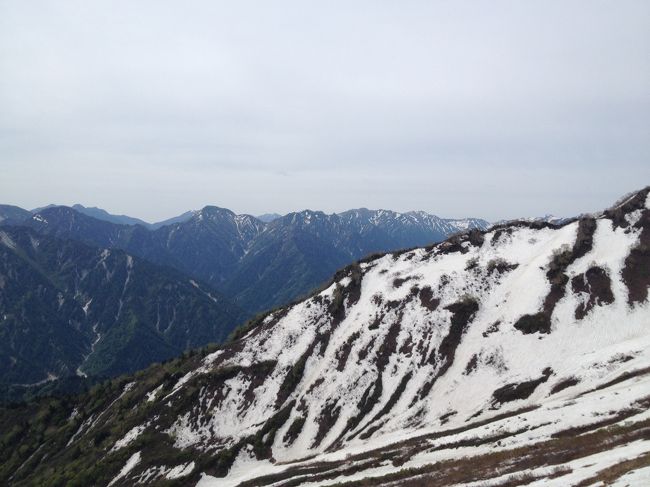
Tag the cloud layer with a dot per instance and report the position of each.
(489, 108)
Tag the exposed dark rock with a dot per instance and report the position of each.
(313, 386)
(294, 430)
(496, 236)
(636, 272)
(522, 390)
(618, 213)
(389, 345)
(625, 376)
(445, 417)
(343, 353)
(463, 313)
(584, 238)
(348, 295)
(354, 288)
(564, 384)
(596, 283)
(376, 322)
(365, 351)
(562, 260)
(501, 266)
(427, 300)
(397, 393)
(471, 365)
(444, 280)
(398, 281)
(394, 304)
(535, 323)
(294, 375)
(493, 328)
(476, 237)
(336, 306)
(326, 421)
(407, 346)
(451, 245)
(370, 397)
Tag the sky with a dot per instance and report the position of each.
(494, 109)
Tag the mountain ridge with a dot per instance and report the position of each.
(101, 214)
(232, 253)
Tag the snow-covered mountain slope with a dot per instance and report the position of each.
(518, 355)
(435, 338)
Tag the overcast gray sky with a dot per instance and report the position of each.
(485, 108)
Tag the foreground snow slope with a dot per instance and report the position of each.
(522, 351)
(433, 338)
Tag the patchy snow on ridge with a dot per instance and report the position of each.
(521, 353)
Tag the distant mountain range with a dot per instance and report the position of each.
(153, 285)
(13, 215)
(268, 217)
(101, 214)
(259, 265)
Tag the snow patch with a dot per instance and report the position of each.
(129, 437)
(634, 478)
(151, 396)
(128, 466)
(180, 471)
(86, 306)
(245, 467)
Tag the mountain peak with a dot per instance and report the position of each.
(54, 211)
(10, 214)
(102, 214)
(268, 217)
(302, 217)
(214, 210)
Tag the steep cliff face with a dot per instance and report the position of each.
(523, 350)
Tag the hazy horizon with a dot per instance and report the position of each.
(496, 110)
(265, 213)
